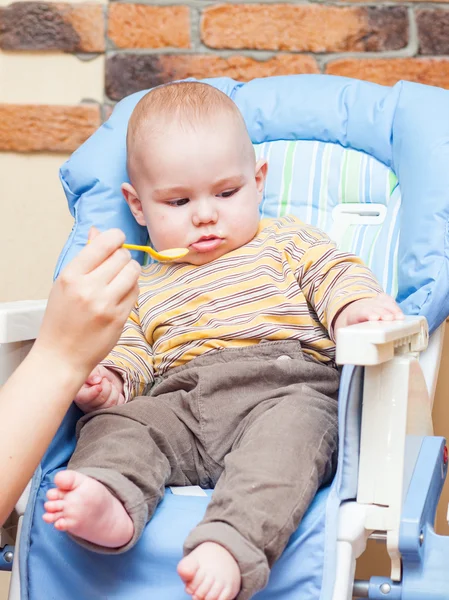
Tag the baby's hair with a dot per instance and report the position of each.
(188, 103)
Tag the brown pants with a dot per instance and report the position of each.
(258, 423)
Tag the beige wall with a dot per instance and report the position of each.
(34, 218)
(34, 224)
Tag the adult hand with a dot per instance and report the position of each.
(89, 303)
(87, 308)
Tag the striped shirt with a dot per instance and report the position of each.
(288, 282)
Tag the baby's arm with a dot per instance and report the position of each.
(340, 287)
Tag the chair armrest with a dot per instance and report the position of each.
(396, 416)
(20, 321)
(19, 326)
(375, 342)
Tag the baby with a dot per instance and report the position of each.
(225, 372)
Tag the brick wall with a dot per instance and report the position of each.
(148, 43)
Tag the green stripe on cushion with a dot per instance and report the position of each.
(287, 178)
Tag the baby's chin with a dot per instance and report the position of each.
(200, 259)
(203, 258)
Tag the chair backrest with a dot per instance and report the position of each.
(367, 164)
(348, 194)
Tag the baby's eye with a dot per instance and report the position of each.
(178, 202)
(228, 193)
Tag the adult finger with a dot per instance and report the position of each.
(127, 304)
(125, 281)
(111, 267)
(95, 253)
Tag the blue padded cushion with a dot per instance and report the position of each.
(405, 127)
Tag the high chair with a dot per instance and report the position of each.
(369, 165)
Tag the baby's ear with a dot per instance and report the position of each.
(261, 175)
(133, 202)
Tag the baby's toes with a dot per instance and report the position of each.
(64, 524)
(215, 591)
(52, 517)
(193, 585)
(226, 594)
(66, 480)
(204, 587)
(55, 494)
(53, 506)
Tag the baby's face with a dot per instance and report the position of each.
(200, 189)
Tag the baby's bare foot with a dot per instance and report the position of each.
(84, 507)
(210, 572)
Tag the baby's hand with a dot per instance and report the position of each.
(380, 308)
(102, 389)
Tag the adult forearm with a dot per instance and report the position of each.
(33, 403)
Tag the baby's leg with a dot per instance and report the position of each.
(272, 474)
(124, 458)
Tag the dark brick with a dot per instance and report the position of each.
(128, 73)
(433, 31)
(107, 111)
(388, 29)
(48, 26)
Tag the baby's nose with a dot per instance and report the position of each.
(205, 213)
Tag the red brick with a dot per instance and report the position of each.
(52, 26)
(390, 71)
(305, 28)
(39, 128)
(128, 73)
(143, 26)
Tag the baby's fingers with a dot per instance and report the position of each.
(87, 394)
(94, 377)
(390, 306)
(110, 396)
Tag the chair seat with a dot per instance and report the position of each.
(60, 569)
(52, 566)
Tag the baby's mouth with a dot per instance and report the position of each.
(206, 243)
